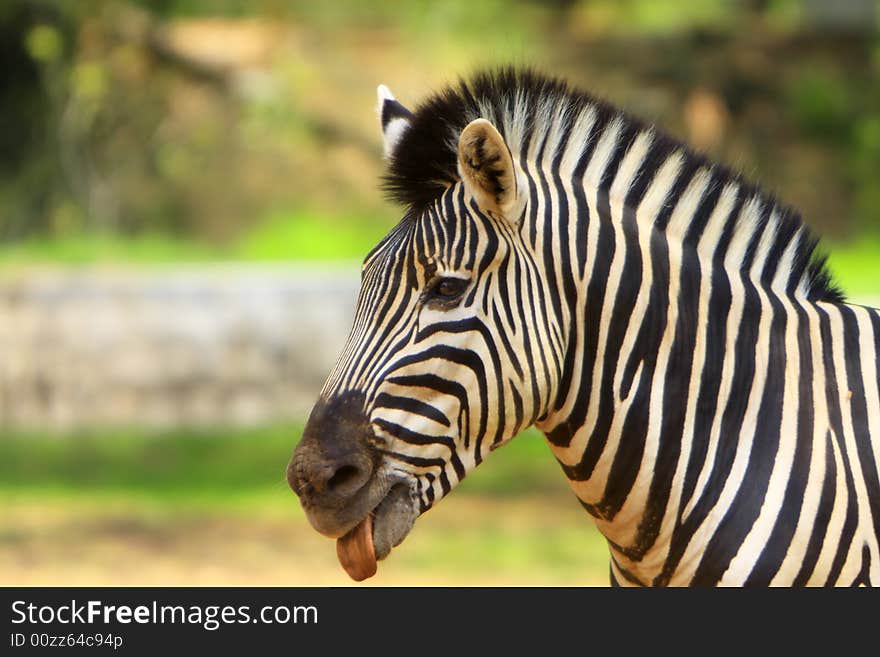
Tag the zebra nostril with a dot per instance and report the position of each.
(346, 480)
(342, 476)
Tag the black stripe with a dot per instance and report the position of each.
(457, 465)
(445, 486)
(517, 301)
(504, 292)
(823, 516)
(778, 543)
(436, 383)
(413, 437)
(864, 576)
(733, 412)
(410, 405)
(401, 274)
(675, 403)
(474, 325)
(834, 415)
(418, 461)
(532, 205)
(512, 356)
(595, 294)
(577, 176)
(465, 358)
(627, 460)
(628, 576)
(737, 521)
(720, 300)
(751, 494)
(487, 286)
(533, 292)
(517, 407)
(856, 380)
(700, 219)
(555, 256)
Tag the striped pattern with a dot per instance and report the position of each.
(712, 401)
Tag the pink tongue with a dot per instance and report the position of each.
(356, 551)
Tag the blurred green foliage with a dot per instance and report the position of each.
(298, 234)
(163, 129)
(856, 268)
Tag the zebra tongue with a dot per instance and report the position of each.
(356, 551)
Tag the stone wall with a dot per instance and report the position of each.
(201, 345)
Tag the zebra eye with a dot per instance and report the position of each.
(448, 289)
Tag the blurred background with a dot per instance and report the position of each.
(186, 190)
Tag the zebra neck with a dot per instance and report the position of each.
(635, 262)
(653, 306)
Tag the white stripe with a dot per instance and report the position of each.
(593, 173)
(633, 508)
(771, 508)
(835, 523)
(628, 170)
(865, 530)
(740, 567)
(574, 148)
(746, 434)
(871, 379)
(601, 155)
(577, 141)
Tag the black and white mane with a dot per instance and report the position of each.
(535, 113)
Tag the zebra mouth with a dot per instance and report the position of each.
(382, 529)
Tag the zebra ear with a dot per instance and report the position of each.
(395, 119)
(487, 169)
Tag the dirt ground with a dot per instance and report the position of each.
(465, 541)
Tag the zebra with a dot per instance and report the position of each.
(712, 400)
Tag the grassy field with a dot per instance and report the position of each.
(124, 508)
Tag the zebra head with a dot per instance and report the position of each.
(445, 361)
